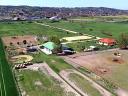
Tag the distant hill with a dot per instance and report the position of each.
(7, 12)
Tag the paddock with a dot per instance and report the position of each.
(104, 63)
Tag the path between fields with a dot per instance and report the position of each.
(61, 29)
(48, 71)
(57, 28)
(65, 75)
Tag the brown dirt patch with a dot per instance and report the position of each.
(101, 70)
(19, 39)
(100, 63)
(116, 60)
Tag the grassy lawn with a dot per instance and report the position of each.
(36, 83)
(55, 62)
(25, 28)
(7, 81)
(94, 28)
(80, 46)
(84, 85)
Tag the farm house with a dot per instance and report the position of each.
(107, 41)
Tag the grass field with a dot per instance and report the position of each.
(7, 82)
(25, 28)
(36, 83)
(94, 28)
(84, 85)
(55, 62)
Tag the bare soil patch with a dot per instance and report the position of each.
(100, 63)
(105, 64)
(19, 39)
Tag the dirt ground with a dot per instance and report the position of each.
(15, 39)
(105, 64)
(102, 62)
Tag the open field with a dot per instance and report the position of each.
(26, 28)
(100, 29)
(84, 84)
(7, 81)
(45, 86)
(102, 64)
(99, 63)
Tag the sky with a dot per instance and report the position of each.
(119, 4)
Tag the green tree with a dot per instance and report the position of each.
(55, 39)
(123, 41)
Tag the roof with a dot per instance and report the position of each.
(107, 40)
(77, 38)
(50, 45)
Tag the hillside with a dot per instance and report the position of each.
(9, 12)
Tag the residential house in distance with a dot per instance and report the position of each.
(107, 41)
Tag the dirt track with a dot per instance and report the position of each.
(48, 71)
(65, 75)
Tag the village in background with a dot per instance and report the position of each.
(49, 51)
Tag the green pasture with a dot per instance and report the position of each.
(99, 29)
(36, 83)
(84, 85)
(7, 80)
(27, 28)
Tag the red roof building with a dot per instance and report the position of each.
(107, 41)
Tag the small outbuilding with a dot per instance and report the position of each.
(107, 41)
(48, 47)
(67, 50)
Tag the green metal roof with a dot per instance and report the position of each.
(50, 45)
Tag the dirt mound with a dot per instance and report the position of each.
(101, 70)
(116, 60)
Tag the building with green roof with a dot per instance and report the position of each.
(48, 47)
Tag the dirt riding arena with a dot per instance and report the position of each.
(113, 67)
(19, 39)
(101, 63)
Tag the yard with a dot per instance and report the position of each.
(81, 45)
(35, 83)
(55, 62)
(103, 65)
